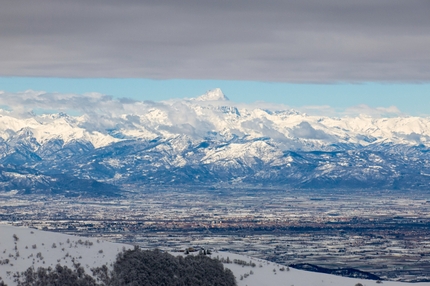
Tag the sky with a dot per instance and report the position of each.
(298, 53)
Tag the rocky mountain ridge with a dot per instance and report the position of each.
(212, 141)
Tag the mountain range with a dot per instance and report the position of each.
(210, 141)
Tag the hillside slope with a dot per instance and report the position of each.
(21, 248)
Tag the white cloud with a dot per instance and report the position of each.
(319, 110)
(22, 103)
(364, 109)
(102, 108)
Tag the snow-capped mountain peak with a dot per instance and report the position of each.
(220, 141)
(213, 95)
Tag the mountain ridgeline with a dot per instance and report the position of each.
(210, 141)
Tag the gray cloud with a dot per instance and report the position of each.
(274, 40)
(305, 130)
(263, 126)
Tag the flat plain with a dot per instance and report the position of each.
(385, 233)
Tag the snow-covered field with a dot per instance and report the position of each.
(266, 273)
(21, 248)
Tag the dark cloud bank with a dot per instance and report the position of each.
(295, 41)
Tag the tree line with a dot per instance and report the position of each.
(135, 267)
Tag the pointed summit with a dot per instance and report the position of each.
(213, 95)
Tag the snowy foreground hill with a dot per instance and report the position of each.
(21, 248)
(209, 140)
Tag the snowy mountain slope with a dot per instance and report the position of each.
(19, 180)
(21, 248)
(210, 140)
(261, 161)
(44, 128)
